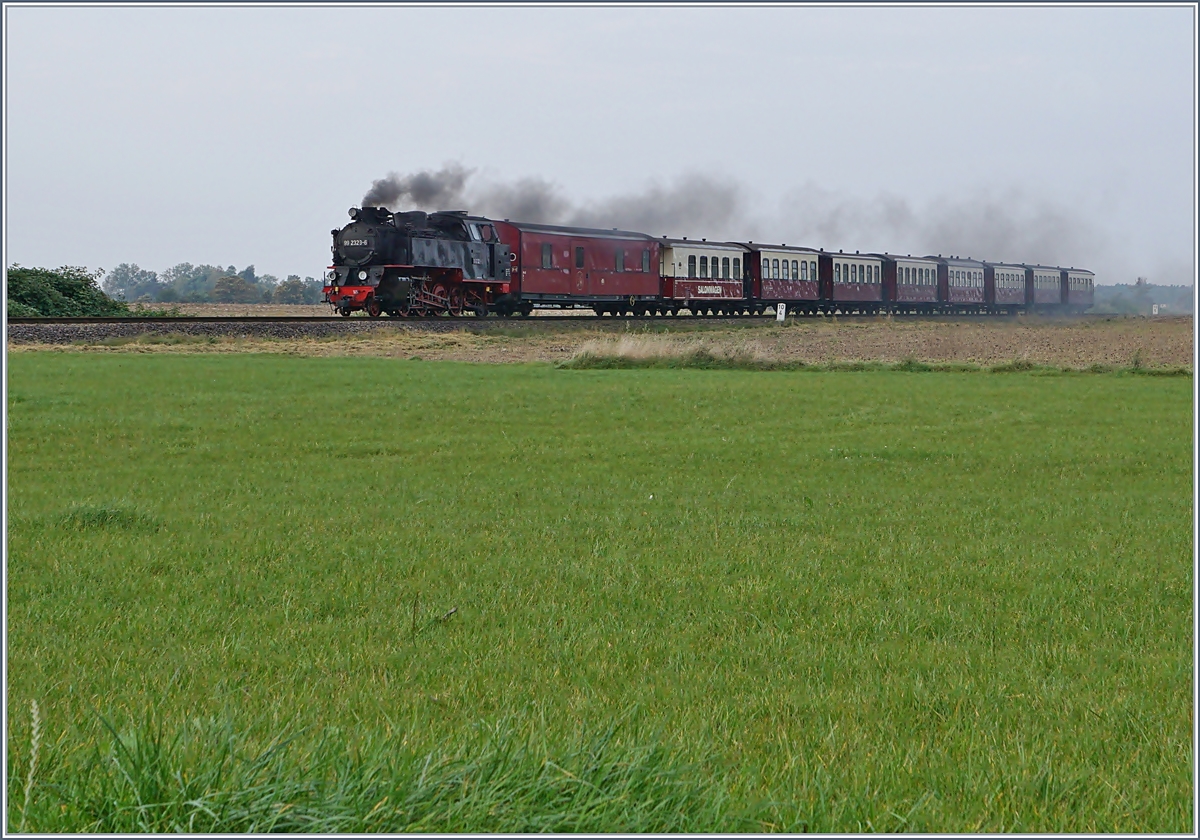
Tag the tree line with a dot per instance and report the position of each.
(187, 283)
(1140, 298)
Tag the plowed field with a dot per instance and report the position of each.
(1150, 342)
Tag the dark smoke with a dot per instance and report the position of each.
(441, 190)
(694, 205)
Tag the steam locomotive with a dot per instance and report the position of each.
(450, 262)
(416, 264)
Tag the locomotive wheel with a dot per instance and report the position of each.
(374, 309)
(439, 290)
(458, 301)
(345, 313)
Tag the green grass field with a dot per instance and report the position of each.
(682, 599)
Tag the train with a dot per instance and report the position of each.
(452, 263)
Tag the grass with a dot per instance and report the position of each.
(253, 592)
(645, 351)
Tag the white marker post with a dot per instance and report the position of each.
(780, 311)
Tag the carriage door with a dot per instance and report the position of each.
(579, 272)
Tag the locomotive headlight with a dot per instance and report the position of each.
(362, 275)
(331, 276)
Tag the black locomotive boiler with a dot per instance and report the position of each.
(416, 263)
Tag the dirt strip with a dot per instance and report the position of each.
(1152, 342)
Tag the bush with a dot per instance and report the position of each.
(67, 292)
(16, 309)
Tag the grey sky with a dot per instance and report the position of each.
(241, 135)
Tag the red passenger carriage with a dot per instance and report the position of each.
(851, 279)
(782, 274)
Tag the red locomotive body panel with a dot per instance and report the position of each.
(352, 297)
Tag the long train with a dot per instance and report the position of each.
(453, 263)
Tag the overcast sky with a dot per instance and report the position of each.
(237, 135)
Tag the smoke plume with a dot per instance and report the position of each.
(996, 225)
(441, 190)
(690, 206)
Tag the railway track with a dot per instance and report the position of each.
(434, 319)
(470, 320)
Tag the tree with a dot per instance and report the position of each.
(129, 282)
(235, 289)
(267, 284)
(312, 290)
(290, 290)
(66, 292)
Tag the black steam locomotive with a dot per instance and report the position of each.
(416, 263)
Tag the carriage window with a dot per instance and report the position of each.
(620, 260)
(692, 265)
(646, 260)
(725, 268)
(787, 272)
(795, 270)
(854, 273)
(704, 266)
(766, 268)
(547, 256)
(837, 272)
(579, 258)
(812, 271)
(804, 271)
(774, 269)
(737, 269)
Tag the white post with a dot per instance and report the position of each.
(780, 311)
